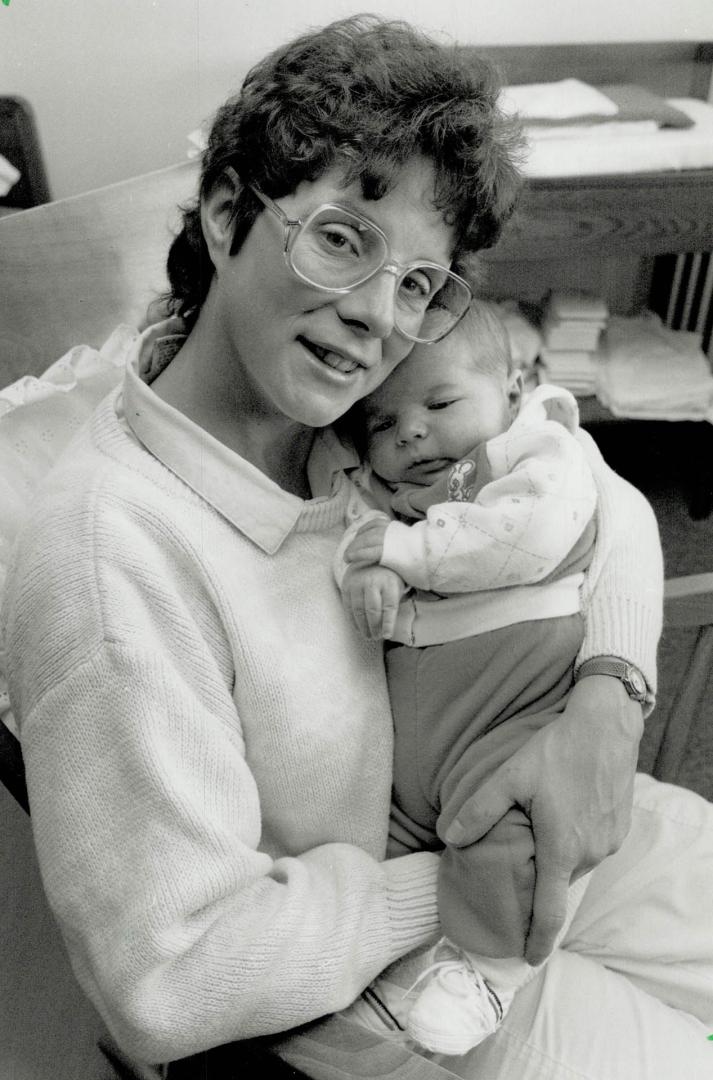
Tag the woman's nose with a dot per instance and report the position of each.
(369, 309)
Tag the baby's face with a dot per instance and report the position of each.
(433, 409)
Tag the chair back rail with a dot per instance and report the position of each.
(73, 270)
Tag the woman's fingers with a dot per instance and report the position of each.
(549, 903)
(482, 810)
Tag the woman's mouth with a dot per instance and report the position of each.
(334, 360)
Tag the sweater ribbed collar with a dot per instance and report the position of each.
(252, 502)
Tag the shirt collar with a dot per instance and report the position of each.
(252, 502)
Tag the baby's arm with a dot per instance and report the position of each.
(370, 592)
(517, 529)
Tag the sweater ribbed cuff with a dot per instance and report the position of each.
(622, 627)
(411, 896)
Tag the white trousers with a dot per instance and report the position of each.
(628, 995)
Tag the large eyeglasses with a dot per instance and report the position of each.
(336, 250)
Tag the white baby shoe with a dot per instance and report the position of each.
(456, 1008)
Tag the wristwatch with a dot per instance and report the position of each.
(634, 682)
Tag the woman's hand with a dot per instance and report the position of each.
(371, 595)
(574, 779)
(367, 547)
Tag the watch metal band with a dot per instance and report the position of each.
(634, 682)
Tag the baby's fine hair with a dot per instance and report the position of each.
(368, 94)
(487, 337)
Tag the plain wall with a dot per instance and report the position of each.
(116, 85)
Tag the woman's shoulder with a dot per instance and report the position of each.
(108, 547)
(107, 505)
(105, 473)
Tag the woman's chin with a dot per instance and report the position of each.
(319, 412)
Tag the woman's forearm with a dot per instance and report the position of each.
(623, 591)
(181, 931)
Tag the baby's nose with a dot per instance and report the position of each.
(411, 427)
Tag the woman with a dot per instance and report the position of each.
(207, 740)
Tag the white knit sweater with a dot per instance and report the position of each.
(208, 746)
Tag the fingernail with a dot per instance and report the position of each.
(454, 833)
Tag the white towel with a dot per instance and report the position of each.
(651, 372)
(562, 100)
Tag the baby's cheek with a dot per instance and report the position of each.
(377, 452)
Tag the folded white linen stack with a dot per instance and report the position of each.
(572, 324)
(566, 99)
(574, 129)
(650, 372)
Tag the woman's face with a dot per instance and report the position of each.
(298, 353)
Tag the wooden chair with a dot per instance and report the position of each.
(677, 745)
(69, 273)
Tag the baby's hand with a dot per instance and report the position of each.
(367, 547)
(371, 595)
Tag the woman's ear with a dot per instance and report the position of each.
(514, 392)
(218, 215)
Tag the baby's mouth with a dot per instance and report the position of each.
(334, 360)
(426, 468)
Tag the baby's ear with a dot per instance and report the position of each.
(514, 391)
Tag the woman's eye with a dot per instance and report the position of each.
(440, 404)
(417, 284)
(340, 239)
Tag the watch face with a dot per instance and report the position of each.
(637, 681)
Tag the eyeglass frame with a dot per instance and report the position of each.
(292, 226)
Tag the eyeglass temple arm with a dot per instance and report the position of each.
(288, 223)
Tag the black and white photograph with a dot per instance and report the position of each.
(356, 540)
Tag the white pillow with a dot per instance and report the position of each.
(38, 417)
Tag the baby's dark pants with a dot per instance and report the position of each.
(460, 710)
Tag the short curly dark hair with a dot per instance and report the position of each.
(369, 93)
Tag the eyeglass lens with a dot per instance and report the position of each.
(336, 250)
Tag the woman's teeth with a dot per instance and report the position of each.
(333, 360)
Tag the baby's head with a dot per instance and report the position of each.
(442, 400)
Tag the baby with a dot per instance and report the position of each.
(478, 524)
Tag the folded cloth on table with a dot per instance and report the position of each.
(581, 336)
(636, 104)
(615, 148)
(573, 321)
(571, 306)
(576, 371)
(569, 360)
(574, 103)
(565, 99)
(534, 133)
(650, 372)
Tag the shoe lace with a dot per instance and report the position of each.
(459, 974)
